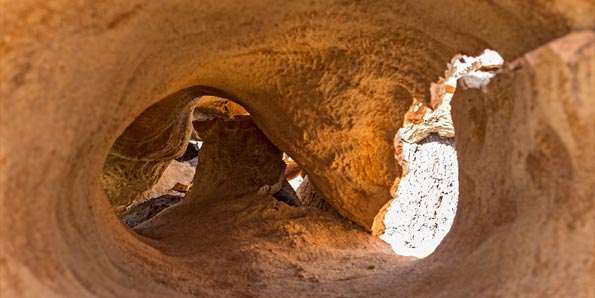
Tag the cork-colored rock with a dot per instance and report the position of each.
(236, 158)
(149, 208)
(309, 197)
(326, 82)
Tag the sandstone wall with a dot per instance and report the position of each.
(328, 83)
(526, 154)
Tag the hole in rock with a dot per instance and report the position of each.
(202, 148)
(425, 197)
(293, 172)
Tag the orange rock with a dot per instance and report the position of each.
(181, 187)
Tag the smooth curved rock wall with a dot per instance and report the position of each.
(328, 83)
(526, 157)
(142, 153)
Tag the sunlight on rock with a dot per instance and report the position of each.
(425, 202)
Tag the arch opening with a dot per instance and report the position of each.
(207, 159)
(425, 196)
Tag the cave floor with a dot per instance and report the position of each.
(255, 246)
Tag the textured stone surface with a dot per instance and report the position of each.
(149, 208)
(526, 160)
(474, 72)
(287, 194)
(328, 83)
(426, 200)
(212, 106)
(309, 197)
(236, 158)
(426, 194)
(176, 172)
(142, 153)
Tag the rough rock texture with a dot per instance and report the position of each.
(292, 169)
(149, 208)
(306, 76)
(236, 158)
(287, 194)
(427, 192)
(328, 83)
(142, 153)
(309, 197)
(256, 246)
(212, 106)
(176, 172)
(190, 153)
(426, 200)
(474, 72)
(526, 160)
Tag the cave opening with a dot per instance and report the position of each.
(219, 132)
(425, 196)
(208, 156)
(327, 76)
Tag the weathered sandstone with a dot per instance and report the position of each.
(95, 93)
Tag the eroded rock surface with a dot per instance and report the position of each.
(143, 152)
(309, 197)
(149, 208)
(288, 195)
(328, 83)
(175, 173)
(236, 158)
(426, 200)
(526, 157)
(427, 192)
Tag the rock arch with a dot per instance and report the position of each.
(76, 75)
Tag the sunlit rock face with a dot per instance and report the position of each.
(425, 203)
(426, 196)
(525, 173)
(328, 82)
(474, 72)
(236, 158)
(141, 155)
(176, 173)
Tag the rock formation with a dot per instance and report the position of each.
(96, 94)
(147, 209)
(142, 153)
(236, 158)
(292, 169)
(190, 153)
(427, 192)
(309, 197)
(287, 194)
(175, 173)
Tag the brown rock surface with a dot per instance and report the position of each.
(148, 209)
(175, 173)
(236, 158)
(328, 83)
(211, 106)
(309, 197)
(142, 153)
(292, 169)
(526, 159)
(287, 194)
